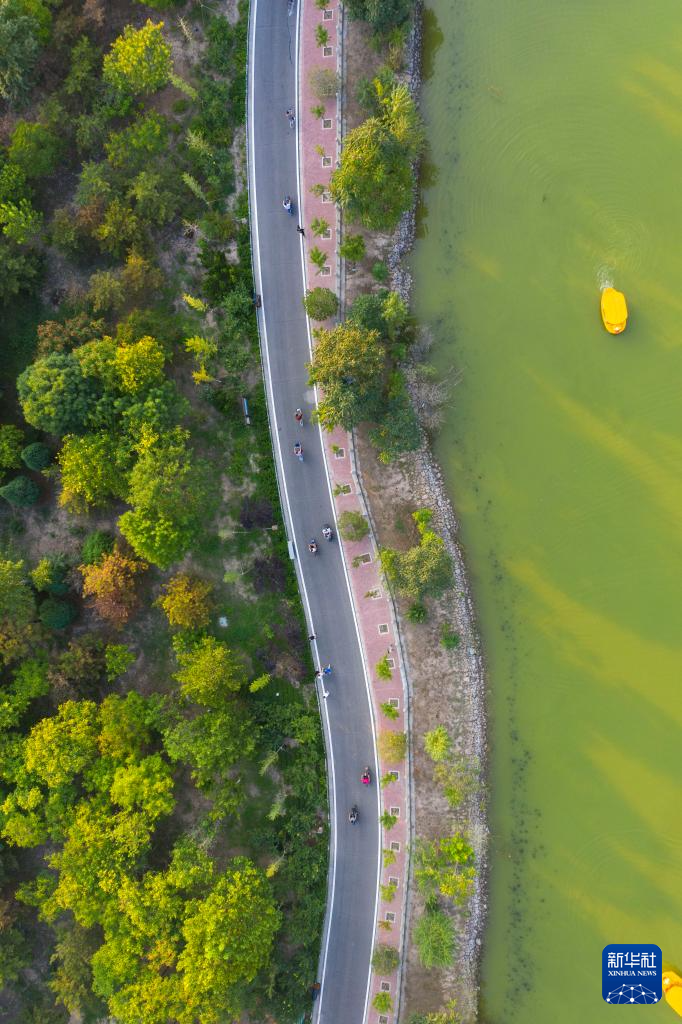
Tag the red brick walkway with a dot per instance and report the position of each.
(318, 141)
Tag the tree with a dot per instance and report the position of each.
(203, 350)
(399, 430)
(96, 544)
(118, 659)
(17, 610)
(170, 495)
(35, 148)
(36, 456)
(140, 275)
(382, 15)
(20, 38)
(55, 336)
(20, 221)
(54, 394)
(133, 148)
(385, 959)
(21, 492)
(185, 602)
(139, 61)
(392, 746)
(155, 200)
(382, 1002)
(60, 747)
(348, 364)
(106, 291)
(374, 181)
(82, 76)
(209, 672)
(139, 366)
(78, 669)
(425, 569)
(228, 939)
(352, 248)
(111, 584)
(434, 937)
(120, 228)
(71, 979)
(93, 471)
(437, 744)
(56, 614)
(11, 441)
(353, 526)
(320, 304)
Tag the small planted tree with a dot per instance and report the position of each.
(382, 1002)
(318, 258)
(96, 544)
(320, 304)
(353, 526)
(383, 669)
(389, 711)
(388, 820)
(319, 226)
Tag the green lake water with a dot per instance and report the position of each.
(555, 165)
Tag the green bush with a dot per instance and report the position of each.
(417, 612)
(380, 272)
(434, 937)
(96, 544)
(11, 440)
(449, 638)
(35, 149)
(385, 959)
(320, 304)
(37, 456)
(353, 248)
(437, 743)
(382, 1002)
(22, 492)
(353, 526)
(56, 614)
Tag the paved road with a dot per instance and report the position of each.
(278, 267)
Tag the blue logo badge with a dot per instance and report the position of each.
(631, 973)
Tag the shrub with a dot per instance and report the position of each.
(96, 544)
(353, 248)
(106, 291)
(383, 669)
(324, 82)
(382, 1002)
(380, 272)
(56, 614)
(117, 658)
(389, 711)
(437, 743)
(417, 612)
(382, 16)
(37, 456)
(388, 820)
(449, 638)
(385, 959)
(318, 257)
(353, 526)
(434, 937)
(50, 575)
(392, 746)
(321, 304)
(321, 35)
(22, 492)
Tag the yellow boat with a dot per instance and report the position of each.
(672, 990)
(614, 310)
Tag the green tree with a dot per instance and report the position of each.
(118, 658)
(155, 199)
(382, 1002)
(71, 979)
(36, 456)
(139, 366)
(35, 148)
(399, 430)
(120, 228)
(425, 569)
(374, 181)
(170, 496)
(353, 526)
(385, 959)
(438, 744)
(21, 34)
(139, 61)
(11, 441)
(228, 939)
(54, 394)
(445, 867)
(209, 672)
(434, 937)
(82, 76)
(56, 614)
(96, 544)
(134, 148)
(93, 471)
(60, 747)
(348, 363)
(21, 492)
(320, 304)
(106, 291)
(20, 221)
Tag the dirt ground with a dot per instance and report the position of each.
(439, 678)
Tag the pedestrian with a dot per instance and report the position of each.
(311, 638)
(300, 230)
(325, 694)
(327, 670)
(318, 674)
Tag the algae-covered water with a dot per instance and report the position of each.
(555, 134)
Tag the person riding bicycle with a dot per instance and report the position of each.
(298, 416)
(312, 547)
(298, 449)
(286, 203)
(327, 532)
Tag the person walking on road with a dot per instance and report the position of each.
(291, 116)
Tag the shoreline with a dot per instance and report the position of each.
(430, 480)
